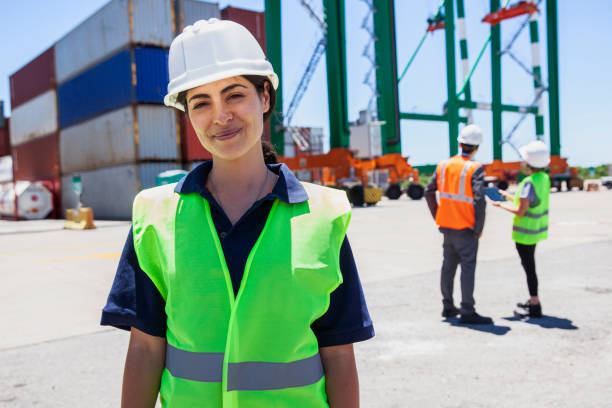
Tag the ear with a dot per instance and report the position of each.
(266, 97)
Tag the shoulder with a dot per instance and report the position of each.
(327, 197)
(155, 195)
(154, 199)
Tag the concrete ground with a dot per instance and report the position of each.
(53, 353)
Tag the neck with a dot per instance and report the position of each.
(244, 173)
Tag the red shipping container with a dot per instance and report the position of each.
(5, 140)
(37, 159)
(254, 21)
(33, 79)
(191, 147)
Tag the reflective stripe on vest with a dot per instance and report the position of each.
(248, 376)
(528, 231)
(536, 216)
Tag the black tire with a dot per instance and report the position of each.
(356, 196)
(608, 186)
(415, 191)
(393, 192)
(502, 185)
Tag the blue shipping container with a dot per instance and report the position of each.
(109, 85)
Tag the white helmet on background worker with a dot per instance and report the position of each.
(536, 154)
(471, 135)
(210, 50)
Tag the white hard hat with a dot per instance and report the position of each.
(471, 134)
(536, 154)
(210, 50)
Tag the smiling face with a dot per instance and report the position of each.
(227, 116)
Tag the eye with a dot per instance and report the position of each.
(235, 96)
(199, 105)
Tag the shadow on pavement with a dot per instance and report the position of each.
(546, 322)
(486, 328)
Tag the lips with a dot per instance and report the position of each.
(227, 134)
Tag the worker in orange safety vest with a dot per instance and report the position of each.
(460, 216)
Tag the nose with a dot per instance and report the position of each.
(222, 115)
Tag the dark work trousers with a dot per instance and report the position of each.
(460, 247)
(527, 254)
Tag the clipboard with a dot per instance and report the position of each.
(493, 194)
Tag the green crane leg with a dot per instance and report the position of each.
(452, 105)
(386, 76)
(274, 54)
(496, 105)
(335, 54)
(553, 76)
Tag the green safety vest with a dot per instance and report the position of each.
(533, 226)
(256, 349)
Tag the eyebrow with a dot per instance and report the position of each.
(225, 90)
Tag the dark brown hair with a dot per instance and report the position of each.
(468, 148)
(258, 81)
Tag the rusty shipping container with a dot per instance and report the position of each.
(110, 191)
(190, 11)
(35, 118)
(5, 140)
(33, 79)
(115, 26)
(128, 135)
(37, 159)
(254, 21)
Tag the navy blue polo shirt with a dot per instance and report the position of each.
(134, 301)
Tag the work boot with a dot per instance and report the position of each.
(530, 311)
(524, 305)
(474, 318)
(450, 311)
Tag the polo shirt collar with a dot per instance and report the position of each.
(287, 188)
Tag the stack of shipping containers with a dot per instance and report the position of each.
(114, 131)
(33, 126)
(92, 104)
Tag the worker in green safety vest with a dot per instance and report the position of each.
(249, 271)
(530, 224)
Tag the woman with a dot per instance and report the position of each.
(238, 283)
(530, 211)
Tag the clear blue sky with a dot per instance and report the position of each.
(585, 62)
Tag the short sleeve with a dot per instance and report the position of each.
(134, 300)
(528, 191)
(347, 320)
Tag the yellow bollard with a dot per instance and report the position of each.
(80, 219)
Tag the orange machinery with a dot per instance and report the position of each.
(502, 173)
(340, 168)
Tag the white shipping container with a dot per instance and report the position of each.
(6, 168)
(127, 135)
(191, 11)
(33, 119)
(111, 191)
(114, 26)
